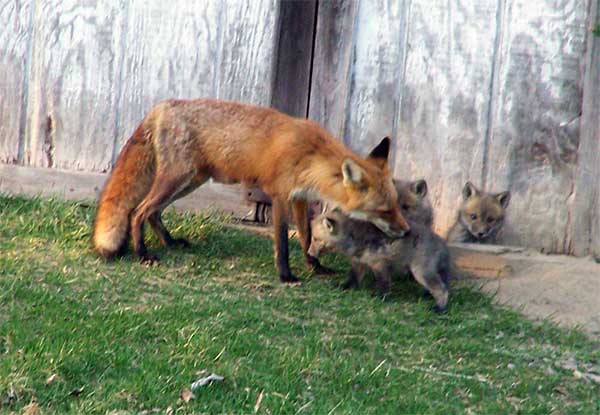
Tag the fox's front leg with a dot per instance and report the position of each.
(300, 213)
(280, 228)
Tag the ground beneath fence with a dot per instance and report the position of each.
(558, 287)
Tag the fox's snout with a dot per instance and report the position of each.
(394, 225)
(313, 250)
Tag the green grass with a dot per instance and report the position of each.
(133, 337)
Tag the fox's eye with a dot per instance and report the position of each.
(491, 220)
(405, 206)
(473, 216)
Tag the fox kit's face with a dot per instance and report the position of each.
(411, 200)
(481, 213)
(325, 233)
(371, 192)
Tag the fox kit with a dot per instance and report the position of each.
(413, 201)
(480, 217)
(424, 253)
(183, 143)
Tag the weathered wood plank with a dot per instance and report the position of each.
(294, 54)
(74, 78)
(248, 44)
(445, 98)
(585, 210)
(376, 74)
(535, 135)
(73, 185)
(332, 64)
(171, 52)
(15, 39)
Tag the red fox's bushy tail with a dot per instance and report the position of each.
(129, 182)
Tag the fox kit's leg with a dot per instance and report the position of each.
(280, 228)
(162, 192)
(429, 277)
(382, 279)
(300, 212)
(356, 275)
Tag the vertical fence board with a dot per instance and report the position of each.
(15, 38)
(74, 77)
(248, 43)
(535, 134)
(445, 98)
(294, 55)
(171, 52)
(376, 73)
(585, 210)
(332, 64)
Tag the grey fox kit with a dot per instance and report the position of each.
(480, 217)
(424, 253)
(413, 201)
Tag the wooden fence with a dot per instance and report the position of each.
(500, 92)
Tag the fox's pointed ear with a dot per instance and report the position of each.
(381, 153)
(353, 173)
(419, 187)
(330, 224)
(503, 198)
(469, 191)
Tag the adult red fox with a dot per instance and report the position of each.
(182, 143)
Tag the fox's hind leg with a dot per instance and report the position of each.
(429, 278)
(163, 234)
(300, 213)
(157, 224)
(162, 193)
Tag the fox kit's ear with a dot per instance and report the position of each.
(380, 153)
(469, 191)
(353, 173)
(329, 224)
(419, 187)
(503, 198)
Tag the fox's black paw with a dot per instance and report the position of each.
(289, 279)
(181, 243)
(322, 270)
(440, 310)
(349, 284)
(149, 259)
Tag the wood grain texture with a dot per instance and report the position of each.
(332, 64)
(445, 99)
(535, 130)
(72, 89)
(294, 55)
(248, 44)
(15, 41)
(585, 208)
(377, 73)
(171, 50)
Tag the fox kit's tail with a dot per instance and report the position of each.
(127, 185)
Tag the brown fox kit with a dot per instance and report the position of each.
(480, 217)
(424, 253)
(183, 143)
(413, 201)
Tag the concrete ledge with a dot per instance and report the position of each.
(71, 185)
